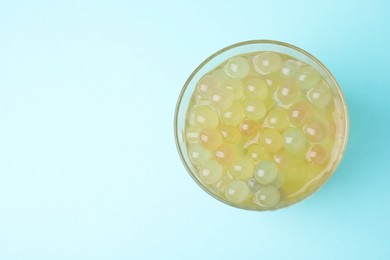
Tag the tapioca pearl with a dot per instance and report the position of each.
(210, 172)
(192, 134)
(315, 131)
(203, 117)
(210, 139)
(198, 155)
(206, 85)
(253, 185)
(268, 197)
(221, 184)
(233, 115)
(237, 67)
(230, 134)
(267, 62)
(242, 168)
(257, 153)
(289, 68)
(283, 159)
(317, 154)
(236, 191)
(249, 128)
(225, 154)
(256, 88)
(288, 93)
(236, 86)
(221, 98)
(294, 140)
(277, 118)
(254, 109)
(220, 75)
(271, 140)
(300, 113)
(265, 172)
(320, 96)
(308, 78)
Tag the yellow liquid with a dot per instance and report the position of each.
(267, 125)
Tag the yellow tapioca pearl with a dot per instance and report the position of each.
(230, 134)
(206, 85)
(198, 155)
(242, 168)
(210, 172)
(271, 140)
(254, 109)
(256, 88)
(268, 197)
(249, 128)
(257, 153)
(236, 86)
(317, 154)
(288, 93)
(308, 78)
(315, 131)
(300, 113)
(294, 140)
(209, 138)
(283, 160)
(267, 62)
(277, 118)
(203, 117)
(221, 98)
(226, 154)
(233, 115)
(237, 67)
(236, 191)
(320, 96)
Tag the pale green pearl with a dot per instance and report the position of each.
(268, 197)
(294, 140)
(267, 62)
(210, 172)
(236, 191)
(237, 67)
(198, 155)
(206, 85)
(308, 78)
(265, 172)
(320, 96)
(289, 68)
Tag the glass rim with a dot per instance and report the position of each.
(277, 43)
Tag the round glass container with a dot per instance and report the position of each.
(261, 125)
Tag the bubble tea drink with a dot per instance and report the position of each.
(263, 130)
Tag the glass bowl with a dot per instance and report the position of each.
(246, 47)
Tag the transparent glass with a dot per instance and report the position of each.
(249, 47)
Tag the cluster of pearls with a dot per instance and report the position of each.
(256, 131)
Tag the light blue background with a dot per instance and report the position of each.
(88, 164)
